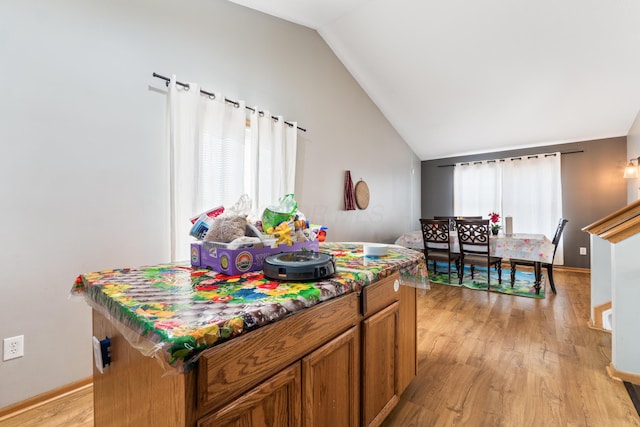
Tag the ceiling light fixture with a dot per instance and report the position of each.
(631, 171)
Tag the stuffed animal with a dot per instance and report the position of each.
(226, 228)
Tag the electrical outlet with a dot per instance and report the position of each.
(13, 347)
(583, 251)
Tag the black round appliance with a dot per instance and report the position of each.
(299, 266)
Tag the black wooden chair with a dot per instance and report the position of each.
(437, 244)
(473, 238)
(451, 219)
(549, 266)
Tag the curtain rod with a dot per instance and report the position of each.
(528, 156)
(212, 95)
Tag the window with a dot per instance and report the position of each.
(216, 157)
(528, 189)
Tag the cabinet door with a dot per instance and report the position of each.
(275, 402)
(379, 364)
(407, 362)
(330, 383)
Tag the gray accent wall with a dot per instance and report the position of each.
(592, 186)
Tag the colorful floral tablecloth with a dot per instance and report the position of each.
(533, 247)
(174, 311)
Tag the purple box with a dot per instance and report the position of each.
(238, 261)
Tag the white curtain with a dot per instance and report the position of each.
(532, 195)
(528, 189)
(215, 158)
(477, 188)
(207, 138)
(271, 159)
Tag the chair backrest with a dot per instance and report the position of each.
(558, 235)
(443, 217)
(435, 234)
(473, 236)
(451, 219)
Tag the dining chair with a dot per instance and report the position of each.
(514, 263)
(473, 238)
(451, 219)
(437, 244)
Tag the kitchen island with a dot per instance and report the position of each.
(193, 347)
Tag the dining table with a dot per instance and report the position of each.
(532, 247)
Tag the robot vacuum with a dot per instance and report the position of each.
(299, 265)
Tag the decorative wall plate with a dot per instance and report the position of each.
(362, 195)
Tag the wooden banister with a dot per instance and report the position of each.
(618, 225)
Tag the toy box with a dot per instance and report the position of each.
(237, 261)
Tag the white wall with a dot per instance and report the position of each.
(625, 294)
(83, 159)
(600, 254)
(633, 152)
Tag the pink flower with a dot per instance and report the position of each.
(494, 217)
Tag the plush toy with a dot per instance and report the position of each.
(226, 228)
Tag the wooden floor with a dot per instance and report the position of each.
(72, 410)
(485, 359)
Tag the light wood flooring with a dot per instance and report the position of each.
(485, 359)
(74, 409)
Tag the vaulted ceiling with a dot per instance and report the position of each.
(464, 77)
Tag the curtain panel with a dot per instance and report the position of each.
(528, 189)
(183, 133)
(216, 156)
(477, 188)
(271, 158)
(206, 138)
(532, 195)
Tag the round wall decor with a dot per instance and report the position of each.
(362, 195)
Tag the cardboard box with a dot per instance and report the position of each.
(238, 261)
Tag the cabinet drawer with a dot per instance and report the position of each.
(380, 294)
(230, 369)
(274, 402)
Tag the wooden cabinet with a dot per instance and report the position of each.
(340, 363)
(379, 368)
(134, 390)
(330, 383)
(276, 402)
(408, 338)
(388, 347)
(321, 390)
(228, 370)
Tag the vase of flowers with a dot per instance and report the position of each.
(494, 220)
